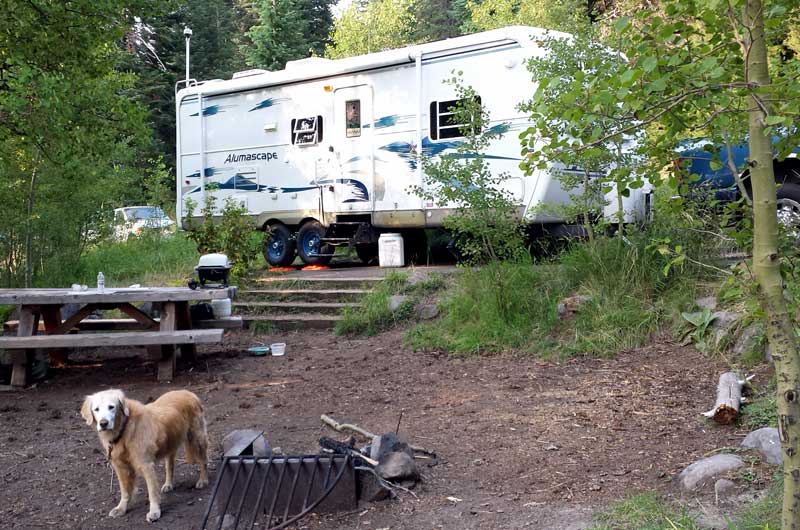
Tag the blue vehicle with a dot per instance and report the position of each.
(702, 162)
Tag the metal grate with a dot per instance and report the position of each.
(278, 490)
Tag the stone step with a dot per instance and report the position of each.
(301, 295)
(291, 322)
(306, 282)
(293, 308)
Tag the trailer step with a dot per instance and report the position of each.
(292, 322)
(301, 295)
(294, 307)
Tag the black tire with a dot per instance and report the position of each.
(309, 247)
(279, 250)
(367, 252)
(789, 205)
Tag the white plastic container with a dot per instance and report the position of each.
(221, 307)
(390, 250)
(277, 348)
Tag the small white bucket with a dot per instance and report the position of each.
(277, 348)
(221, 307)
(390, 250)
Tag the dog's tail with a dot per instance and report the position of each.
(197, 440)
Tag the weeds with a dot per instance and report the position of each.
(375, 315)
(763, 410)
(149, 259)
(512, 306)
(646, 511)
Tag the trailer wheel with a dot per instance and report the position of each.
(309, 246)
(278, 246)
(789, 206)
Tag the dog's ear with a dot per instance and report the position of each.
(86, 411)
(126, 409)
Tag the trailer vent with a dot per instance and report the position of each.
(249, 73)
(309, 61)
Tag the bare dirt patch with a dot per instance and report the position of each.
(523, 443)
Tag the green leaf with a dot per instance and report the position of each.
(621, 24)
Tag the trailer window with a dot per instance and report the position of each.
(443, 119)
(307, 131)
(352, 121)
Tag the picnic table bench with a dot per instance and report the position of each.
(174, 328)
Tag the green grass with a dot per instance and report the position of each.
(646, 511)
(649, 511)
(512, 306)
(150, 260)
(762, 409)
(765, 513)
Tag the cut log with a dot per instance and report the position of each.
(729, 398)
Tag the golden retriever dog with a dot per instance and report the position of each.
(136, 436)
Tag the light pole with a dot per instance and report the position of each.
(187, 33)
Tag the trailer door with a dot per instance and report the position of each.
(352, 142)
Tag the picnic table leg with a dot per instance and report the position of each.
(28, 324)
(52, 322)
(166, 365)
(184, 321)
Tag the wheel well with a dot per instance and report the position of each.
(786, 170)
(306, 220)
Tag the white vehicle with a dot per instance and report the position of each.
(324, 152)
(133, 220)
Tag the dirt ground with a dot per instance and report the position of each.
(523, 443)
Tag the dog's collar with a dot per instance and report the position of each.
(118, 436)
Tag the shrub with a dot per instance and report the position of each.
(234, 235)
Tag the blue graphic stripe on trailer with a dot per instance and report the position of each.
(213, 110)
(266, 103)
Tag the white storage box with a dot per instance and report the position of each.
(390, 250)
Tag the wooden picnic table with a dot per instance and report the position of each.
(161, 336)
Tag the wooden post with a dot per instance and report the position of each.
(28, 324)
(52, 325)
(184, 321)
(166, 365)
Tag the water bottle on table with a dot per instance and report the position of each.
(101, 282)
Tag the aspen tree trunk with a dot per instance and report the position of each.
(766, 263)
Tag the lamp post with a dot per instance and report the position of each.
(187, 33)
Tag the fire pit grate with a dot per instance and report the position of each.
(279, 489)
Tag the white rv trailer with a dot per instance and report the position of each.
(324, 152)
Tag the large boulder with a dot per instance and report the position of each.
(768, 442)
(706, 470)
(748, 339)
(397, 301)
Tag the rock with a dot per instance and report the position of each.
(702, 472)
(245, 442)
(416, 277)
(768, 442)
(721, 325)
(397, 466)
(748, 339)
(396, 301)
(724, 489)
(572, 304)
(388, 443)
(427, 311)
(708, 302)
